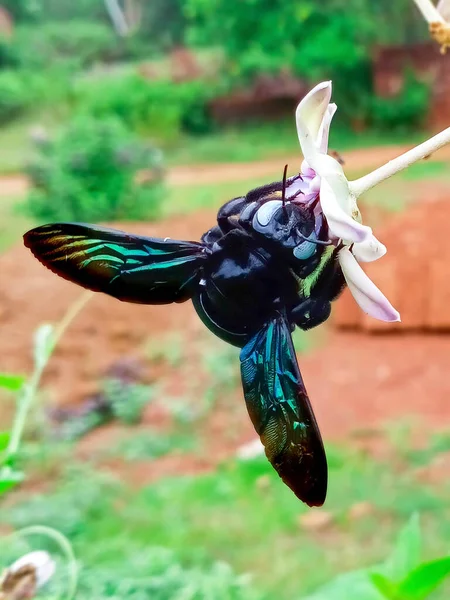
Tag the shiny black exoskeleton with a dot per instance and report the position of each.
(263, 250)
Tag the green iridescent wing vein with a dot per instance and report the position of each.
(128, 267)
(281, 413)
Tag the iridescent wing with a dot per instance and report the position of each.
(281, 413)
(129, 267)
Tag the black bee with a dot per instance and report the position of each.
(265, 268)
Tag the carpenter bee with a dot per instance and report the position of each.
(265, 268)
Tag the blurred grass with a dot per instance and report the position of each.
(15, 139)
(212, 518)
(243, 143)
(269, 140)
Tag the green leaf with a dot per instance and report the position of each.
(385, 586)
(5, 436)
(9, 479)
(421, 582)
(406, 555)
(43, 345)
(12, 383)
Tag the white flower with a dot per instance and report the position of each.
(42, 563)
(323, 183)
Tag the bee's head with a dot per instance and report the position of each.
(292, 227)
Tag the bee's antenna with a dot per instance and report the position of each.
(283, 193)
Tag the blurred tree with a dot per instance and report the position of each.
(163, 22)
(133, 13)
(302, 34)
(328, 39)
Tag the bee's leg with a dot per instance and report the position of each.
(311, 312)
(330, 282)
(327, 287)
(229, 210)
(227, 219)
(212, 236)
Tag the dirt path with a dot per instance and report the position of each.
(355, 160)
(203, 174)
(13, 185)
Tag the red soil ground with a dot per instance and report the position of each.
(414, 273)
(356, 380)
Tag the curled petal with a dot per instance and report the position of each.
(369, 250)
(324, 132)
(309, 116)
(42, 563)
(367, 295)
(340, 223)
(306, 170)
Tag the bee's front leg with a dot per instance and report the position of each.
(316, 308)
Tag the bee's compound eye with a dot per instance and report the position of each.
(266, 212)
(304, 250)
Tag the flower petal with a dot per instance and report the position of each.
(324, 133)
(309, 116)
(367, 295)
(296, 186)
(42, 562)
(340, 223)
(369, 250)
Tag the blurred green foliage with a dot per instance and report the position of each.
(77, 43)
(404, 111)
(157, 108)
(313, 40)
(89, 173)
(14, 95)
(198, 519)
(127, 401)
(160, 26)
(404, 575)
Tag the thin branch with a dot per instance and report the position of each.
(117, 17)
(429, 11)
(396, 165)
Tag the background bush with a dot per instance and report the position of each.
(89, 174)
(79, 43)
(405, 111)
(14, 95)
(158, 108)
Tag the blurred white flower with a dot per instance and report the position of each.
(323, 184)
(43, 564)
(23, 578)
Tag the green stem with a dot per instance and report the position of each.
(30, 389)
